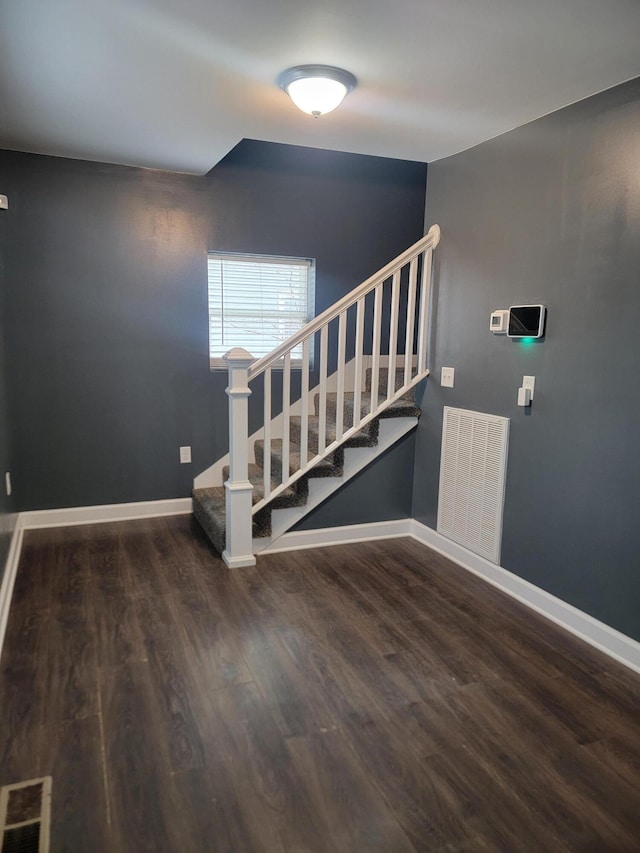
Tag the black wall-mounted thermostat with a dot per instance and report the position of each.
(526, 321)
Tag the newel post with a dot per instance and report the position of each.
(239, 546)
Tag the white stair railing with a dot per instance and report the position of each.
(396, 302)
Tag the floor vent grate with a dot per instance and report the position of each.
(25, 816)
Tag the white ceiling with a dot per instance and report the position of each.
(175, 84)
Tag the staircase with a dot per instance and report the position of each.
(209, 503)
(359, 363)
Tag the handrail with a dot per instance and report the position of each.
(430, 240)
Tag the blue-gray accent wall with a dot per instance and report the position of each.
(106, 303)
(549, 213)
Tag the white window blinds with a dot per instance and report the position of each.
(256, 302)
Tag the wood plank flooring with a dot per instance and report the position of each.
(370, 697)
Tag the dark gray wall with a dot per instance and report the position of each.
(7, 516)
(550, 213)
(104, 277)
(107, 304)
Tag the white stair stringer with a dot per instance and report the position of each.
(391, 430)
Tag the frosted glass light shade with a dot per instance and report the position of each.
(316, 89)
(316, 95)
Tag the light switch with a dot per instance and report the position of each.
(446, 377)
(524, 397)
(185, 454)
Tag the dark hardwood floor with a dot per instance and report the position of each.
(370, 697)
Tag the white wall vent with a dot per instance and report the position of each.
(473, 467)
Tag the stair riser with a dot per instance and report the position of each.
(214, 529)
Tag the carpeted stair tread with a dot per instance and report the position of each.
(210, 511)
(256, 478)
(366, 437)
(330, 466)
(400, 408)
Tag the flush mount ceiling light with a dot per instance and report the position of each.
(316, 89)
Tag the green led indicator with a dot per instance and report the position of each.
(527, 341)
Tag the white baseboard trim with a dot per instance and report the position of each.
(596, 633)
(9, 578)
(321, 538)
(105, 512)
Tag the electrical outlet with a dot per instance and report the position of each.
(446, 377)
(530, 383)
(185, 455)
(7, 483)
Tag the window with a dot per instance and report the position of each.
(257, 302)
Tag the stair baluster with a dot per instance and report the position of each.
(304, 392)
(322, 410)
(266, 464)
(394, 317)
(411, 319)
(423, 316)
(375, 347)
(357, 386)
